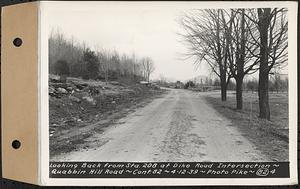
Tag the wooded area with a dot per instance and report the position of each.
(68, 57)
(239, 42)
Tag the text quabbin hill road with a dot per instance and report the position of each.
(169, 170)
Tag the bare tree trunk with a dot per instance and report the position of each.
(223, 87)
(219, 55)
(224, 92)
(263, 88)
(239, 93)
(240, 66)
(263, 94)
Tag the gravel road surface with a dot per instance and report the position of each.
(180, 126)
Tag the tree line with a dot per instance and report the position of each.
(276, 84)
(69, 57)
(238, 42)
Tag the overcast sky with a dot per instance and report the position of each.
(145, 30)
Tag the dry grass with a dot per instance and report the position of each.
(270, 137)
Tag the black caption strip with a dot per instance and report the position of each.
(169, 170)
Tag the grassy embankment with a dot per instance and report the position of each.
(270, 137)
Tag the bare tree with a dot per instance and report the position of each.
(135, 66)
(104, 60)
(148, 67)
(242, 52)
(238, 42)
(206, 40)
(273, 27)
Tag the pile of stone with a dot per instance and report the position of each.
(60, 89)
(76, 92)
(57, 89)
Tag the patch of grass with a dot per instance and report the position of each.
(65, 145)
(270, 137)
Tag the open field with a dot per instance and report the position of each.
(270, 137)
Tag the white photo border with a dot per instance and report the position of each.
(46, 7)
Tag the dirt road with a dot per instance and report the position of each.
(180, 126)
